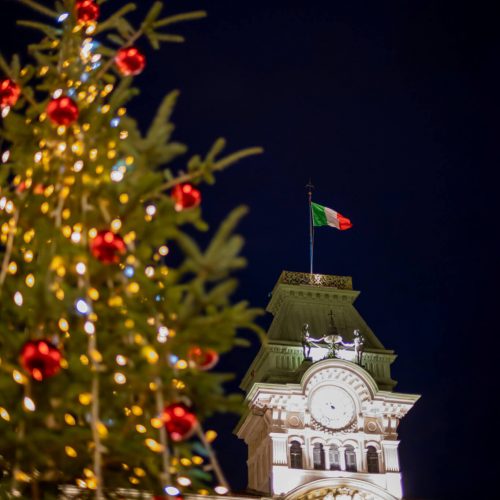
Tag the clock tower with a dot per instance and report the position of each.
(322, 414)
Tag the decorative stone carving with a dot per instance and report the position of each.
(323, 280)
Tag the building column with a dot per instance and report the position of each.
(326, 450)
(390, 455)
(360, 457)
(365, 459)
(279, 448)
(342, 457)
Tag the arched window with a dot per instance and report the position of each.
(372, 460)
(350, 459)
(318, 456)
(334, 457)
(295, 455)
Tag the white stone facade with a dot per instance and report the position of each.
(280, 414)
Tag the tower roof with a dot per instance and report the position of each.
(324, 302)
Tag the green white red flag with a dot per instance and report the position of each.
(324, 216)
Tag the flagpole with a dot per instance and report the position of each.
(310, 188)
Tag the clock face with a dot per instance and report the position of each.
(332, 407)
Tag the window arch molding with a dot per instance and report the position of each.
(300, 439)
(350, 442)
(318, 439)
(375, 445)
(334, 442)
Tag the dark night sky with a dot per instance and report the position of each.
(391, 108)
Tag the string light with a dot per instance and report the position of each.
(29, 404)
(172, 491)
(18, 299)
(63, 17)
(81, 268)
(89, 327)
(121, 360)
(120, 378)
(69, 419)
(82, 306)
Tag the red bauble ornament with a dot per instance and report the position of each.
(87, 11)
(185, 196)
(63, 110)
(130, 61)
(108, 247)
(202, 359)
(9, 93)
(41, 359)
(180, 422)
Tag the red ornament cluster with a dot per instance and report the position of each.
(180, 422)
(9, 93)
(202, 359)
(87, 11)
(130, 61)
(41, 359)
(63, 110)
(185, 196)
(108, 247)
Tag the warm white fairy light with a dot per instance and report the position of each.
(120, 378)
(76, 237)
(221, 490)
(29, 404)
(117, 175)
(18, 299)
(184, 481)
(149, 271)
(78, 166)
(5, 156)
(81, 268)
(57, 93)
(5, 111)
(89, 327)
(163, 333)
(121, 360)
(151, 210)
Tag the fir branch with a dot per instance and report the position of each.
(40, 8)
(179, 18)
(8, 249)
(213, 457)
(220, 165)
(166, 37)
(44, 28)
(112, 20)
(151, 16)
(4, 66)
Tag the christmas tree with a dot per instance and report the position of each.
(111, 314)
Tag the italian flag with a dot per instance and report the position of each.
(324, 216)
